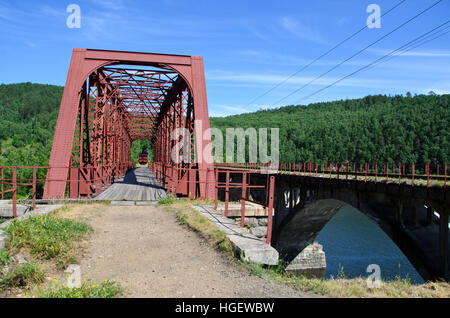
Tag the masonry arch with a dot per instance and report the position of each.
(298, 225)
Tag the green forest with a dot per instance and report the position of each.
(400, 129)
(371, 129)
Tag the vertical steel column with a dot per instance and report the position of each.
(34, 188)
(216, 201)
(270, 210)
(227, 192)
(14, 195)
(244, 195)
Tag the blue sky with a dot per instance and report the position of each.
(248, 46)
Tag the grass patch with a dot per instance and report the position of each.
(167, 200)
(354, 287)
(105, 289)
(190, 217)
(3, 220)
(22, 276)
(46, 236)
(5, 258)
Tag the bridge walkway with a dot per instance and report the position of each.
(139, 184)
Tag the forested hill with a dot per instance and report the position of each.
(374, 128)
(28, 114)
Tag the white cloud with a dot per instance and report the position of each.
(302, 31)
(414, 53)
(379, 81)
(110, 4)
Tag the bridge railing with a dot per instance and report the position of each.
(412, 174)
(28, 182)
(182, 180)
(19, 180)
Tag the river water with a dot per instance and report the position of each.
(352, 241)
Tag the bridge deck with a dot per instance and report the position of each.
(139, 184)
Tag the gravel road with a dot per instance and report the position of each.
(151, 255)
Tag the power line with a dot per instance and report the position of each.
(359, 52)
(411, 44)
(321, 56)
(421, 42)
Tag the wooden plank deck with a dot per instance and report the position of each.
(138, 184)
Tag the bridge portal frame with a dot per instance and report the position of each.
(86, 62)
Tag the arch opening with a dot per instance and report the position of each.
(352, 241)
(302, 226)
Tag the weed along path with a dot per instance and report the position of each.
(150, 254)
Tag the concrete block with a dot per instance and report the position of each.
(257, 252)
(144, 203)
(6, 210)
(249, 221)
(311, 262)
(122, 203)
(251, 210)
(247, 246)
(263, 221)
(259, 231)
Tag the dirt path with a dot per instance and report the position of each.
(145, 250)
